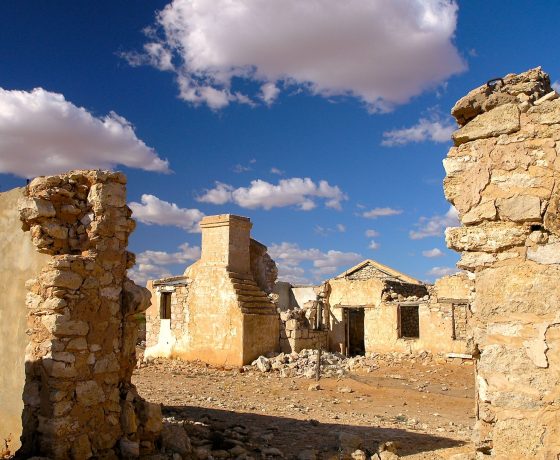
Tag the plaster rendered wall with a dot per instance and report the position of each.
(19, 262)
(357, 293)
(503, 176)
(303, 294)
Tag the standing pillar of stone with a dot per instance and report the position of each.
(78, 398)
(503, 176)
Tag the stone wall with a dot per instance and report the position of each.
(162, 335)
(503, 176)
(220, 313)
(263, 268)
(296, 333)
(78, 399)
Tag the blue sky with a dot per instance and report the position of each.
(325, 126)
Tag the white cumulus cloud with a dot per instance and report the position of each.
(288, 192)
(152, 265)
(435, 225)
(290, 256)
(154, 211)
(431, 253)
(556, 86)
(373, 245)
(380, 212)
(442, 271)
(370, 233)
(42, 133)
(382, 52)
(436, 130)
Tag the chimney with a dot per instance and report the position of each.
(225, 242)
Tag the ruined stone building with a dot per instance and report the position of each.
(219, 310)
(503, 176)
(372, 308)
(67, 327)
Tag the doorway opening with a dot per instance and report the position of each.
(355, 344)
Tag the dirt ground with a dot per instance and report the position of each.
(427, 408)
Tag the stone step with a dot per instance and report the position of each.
(246, 287)
(255, 294)
(241, 276)
(257, 304)
(253, 298)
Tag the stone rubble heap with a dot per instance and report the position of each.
(503, 177)
(304, 364)
(78, 396)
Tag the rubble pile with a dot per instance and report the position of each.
(304, 364)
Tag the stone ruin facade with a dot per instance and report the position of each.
(79, 341)
(372, 308)
(503, 176)
(219, 311)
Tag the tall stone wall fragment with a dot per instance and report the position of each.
(78, 398)
(502, 177)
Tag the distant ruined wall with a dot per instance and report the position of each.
(263, 268)
(78, 398)
(503, 176)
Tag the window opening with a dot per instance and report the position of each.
(409, 322)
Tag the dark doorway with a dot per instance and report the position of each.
(355, 344)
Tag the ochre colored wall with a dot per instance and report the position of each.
(19, 262)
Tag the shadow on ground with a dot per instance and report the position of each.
(292, 436)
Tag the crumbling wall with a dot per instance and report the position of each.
(296, 333)
(78, 399)
(19, 261)
(263, 268)
(503, 176)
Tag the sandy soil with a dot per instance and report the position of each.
(427, 408)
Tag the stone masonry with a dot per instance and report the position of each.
(78, 398)
(503, 176)
(220, 309)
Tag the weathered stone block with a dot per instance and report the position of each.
(520, 208)
(500, 120)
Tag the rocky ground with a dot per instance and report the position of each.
(422, 407)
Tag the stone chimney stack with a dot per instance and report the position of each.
(225, 242)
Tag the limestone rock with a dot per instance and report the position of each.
(480, 213)
(501, 120)
(491, 237)
(545, 254)
(33, 208)
(520, 208)
(547, 113)
(175, 439)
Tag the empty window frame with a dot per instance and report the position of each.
(409, 322)
(165, 305)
